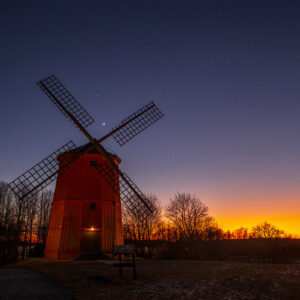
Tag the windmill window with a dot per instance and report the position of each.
(92, 206)
(93, 163)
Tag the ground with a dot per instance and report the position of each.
(18, 283)
(170, 279)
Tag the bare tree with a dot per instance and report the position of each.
(30, 210)
(209, 230)
(43, 215)
(227, 235)
(23, 221)
(240, 233)
(137, 229)
(6, 206)
(266, 231)
(9, 237)
(20, 212)
(188, 214)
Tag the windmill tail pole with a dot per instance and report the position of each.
(96, 144)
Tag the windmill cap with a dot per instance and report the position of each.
(92, 151)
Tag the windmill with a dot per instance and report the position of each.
(90, 187)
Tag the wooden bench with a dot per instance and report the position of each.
(127, 250)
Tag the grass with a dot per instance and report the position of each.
(173, 279)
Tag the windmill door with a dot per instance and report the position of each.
(90, 241)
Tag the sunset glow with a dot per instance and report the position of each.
(233, 209)
(290, 224)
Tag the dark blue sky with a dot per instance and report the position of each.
(225, 73)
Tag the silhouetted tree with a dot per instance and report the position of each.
(240, 233)
(189, 216)
(213, 232)
(138, 230)
(23, 221)
(43, 215)
(266, 231)
(6, 207)
(227, 235)
(9, 235)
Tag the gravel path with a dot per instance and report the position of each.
(28, 284)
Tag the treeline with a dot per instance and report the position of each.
(23, 224)
(184, 230)
(186, 218)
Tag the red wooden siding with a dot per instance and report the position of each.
(76, 188)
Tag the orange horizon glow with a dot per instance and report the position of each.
(281, 210)
(289, 224)
(245, 206)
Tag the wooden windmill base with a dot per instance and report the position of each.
(86, 212)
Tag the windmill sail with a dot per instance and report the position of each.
(40, 175)
(131, 196)
(146, 116)
(55, 90)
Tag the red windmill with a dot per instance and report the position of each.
(90, 187)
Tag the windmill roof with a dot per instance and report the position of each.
(94, 150)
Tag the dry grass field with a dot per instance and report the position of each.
(173, 279)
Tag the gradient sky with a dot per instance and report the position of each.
(225, 73)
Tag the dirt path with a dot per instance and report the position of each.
(16, 283)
